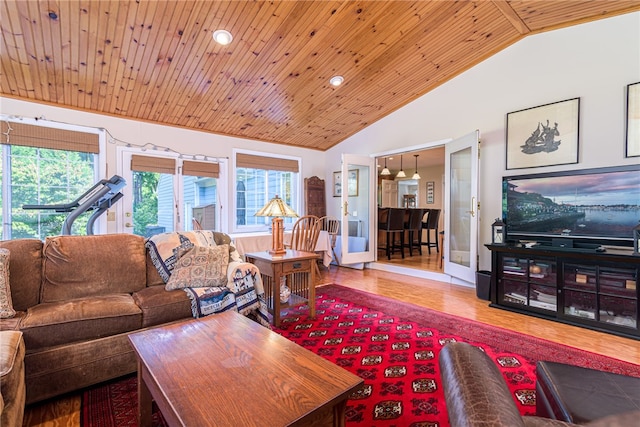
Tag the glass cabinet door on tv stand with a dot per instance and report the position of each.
(596, 290)
(601, 293)
(529, 282)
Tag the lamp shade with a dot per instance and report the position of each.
(385, 170)
(416, 175)
(401, 174)
(277, 207)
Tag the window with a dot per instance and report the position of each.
(44, 166)
(168, 193)
(200, 194)
(258, 179)
(152, 194)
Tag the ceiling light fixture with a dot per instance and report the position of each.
(223, 37)
(401, 174)
(416, 175)
(386, 170)
(336, 80)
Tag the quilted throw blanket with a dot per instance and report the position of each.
(244, 293)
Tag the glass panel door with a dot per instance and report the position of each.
(356, 184)
(461, 203)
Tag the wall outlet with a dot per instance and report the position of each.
(111, 216)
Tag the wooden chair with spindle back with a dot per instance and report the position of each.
(304, 236)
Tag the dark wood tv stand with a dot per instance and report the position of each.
(597, 290)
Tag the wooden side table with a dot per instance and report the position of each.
(298, 269)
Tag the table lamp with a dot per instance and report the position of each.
(277, 209)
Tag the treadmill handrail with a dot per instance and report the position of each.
(98, 198)
(114, 184)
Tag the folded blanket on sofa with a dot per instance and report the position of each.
(244, 293)
(240, 290)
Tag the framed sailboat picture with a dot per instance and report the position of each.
(543, 136)
(633, 120)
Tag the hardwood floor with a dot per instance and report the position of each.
(425, 261)
(452, 299)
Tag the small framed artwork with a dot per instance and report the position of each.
(632, 148)
(430, 191)
(352, 181)
(543, 136)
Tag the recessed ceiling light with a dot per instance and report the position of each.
(336, 80)
(223, 37)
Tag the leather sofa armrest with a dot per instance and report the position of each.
(474, 389)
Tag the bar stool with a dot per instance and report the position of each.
(414, 229)
(430, 224)
(393, 226)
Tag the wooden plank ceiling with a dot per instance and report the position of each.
(156, 60)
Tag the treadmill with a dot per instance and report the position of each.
(98, 198)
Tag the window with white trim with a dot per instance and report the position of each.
(166, 193)
(258, 179)
(44, 165)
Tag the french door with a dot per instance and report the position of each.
(461, 207)
(165, 193)
(357, 188)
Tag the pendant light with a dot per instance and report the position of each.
(401, 174)
(415, 175)
(386, 170)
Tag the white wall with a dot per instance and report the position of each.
(593, 61)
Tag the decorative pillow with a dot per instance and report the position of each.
(199, 267)
(6, 306)
(163, 248)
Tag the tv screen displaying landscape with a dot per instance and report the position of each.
(602, 205)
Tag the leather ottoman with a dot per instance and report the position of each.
(578, 395)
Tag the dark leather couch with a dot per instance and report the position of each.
(477, 395)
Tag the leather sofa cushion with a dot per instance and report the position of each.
(161, 306)
(12, 384)
(26, 271)
(65, 322)
(568, 392)
(89, 266)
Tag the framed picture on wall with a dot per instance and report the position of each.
(543, 136)
(352, 181)
(632, 148)
(430, 191)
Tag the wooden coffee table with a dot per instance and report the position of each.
(227, 370)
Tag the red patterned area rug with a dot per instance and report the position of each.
(394, 347)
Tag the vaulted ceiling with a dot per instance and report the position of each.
(156, 61)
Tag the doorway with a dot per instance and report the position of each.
(425, 192)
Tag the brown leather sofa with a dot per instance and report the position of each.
(477, 395)
(77, 298)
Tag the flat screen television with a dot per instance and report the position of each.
(588, 207)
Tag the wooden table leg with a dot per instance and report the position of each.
(339, 411)
(312, 290)
(145, 400)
